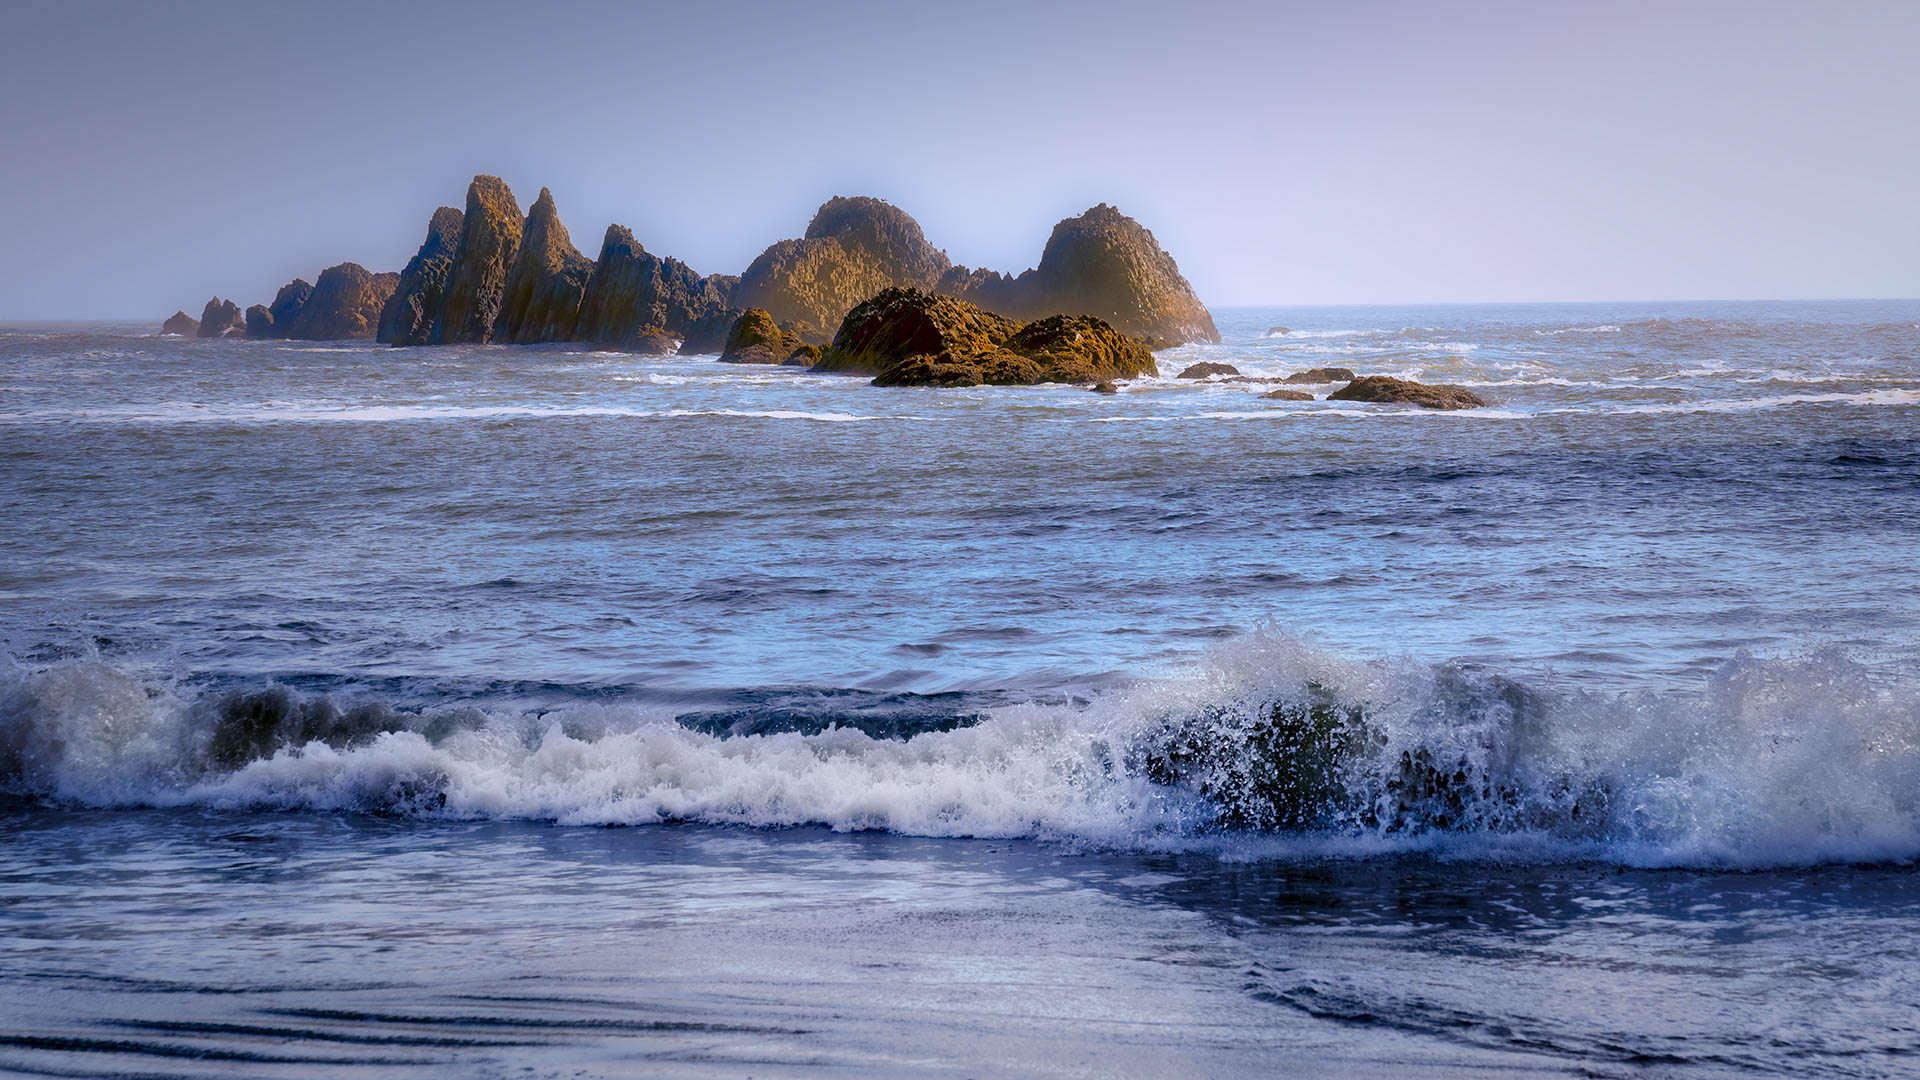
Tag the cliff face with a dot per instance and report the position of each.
(419, 299)
(221, 318)
(489, 241)
(547, 282)
(637, 301)
(346, 303)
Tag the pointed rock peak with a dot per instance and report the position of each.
(445, 224)
(490, 194)
(543, 206)
(619, 238)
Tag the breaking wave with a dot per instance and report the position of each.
(1270, 748)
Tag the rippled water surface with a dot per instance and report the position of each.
(1628, 665)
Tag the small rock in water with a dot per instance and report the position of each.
(1206, 368)
(1278, 331)
(181, 323)
(1386, 390)
(1286, 395)
(1105, 388)
(803, 356)
(1322, 375)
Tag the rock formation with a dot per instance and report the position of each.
(1321, 375)
(1206, 369)
(221, 318)
(260, 322)
(489, 241)
(287, 304)
(1286, 395)
(420, 298)
(346, 303)
(906, 337)
(181, 323)
(638, 301)
(1386, 390)
(547, 282)
(757, 339)
(853, 248)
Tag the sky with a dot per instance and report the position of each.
(1284, 153)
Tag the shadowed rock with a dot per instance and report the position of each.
(1206, 370)
(221, 318)
(803, 355)
(1391, 391)
(420, 298)
(907, 337)
(1322, 375)
(260, 322)
(346, 304)
(638, 301)
(287, 304)
(1286, 395)
(707, 335)
(489, 241)
(547, 283)
(181, 323)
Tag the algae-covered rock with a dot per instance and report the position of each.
(181, 323)
(1322, 375)
(287, 304)
(853, 248)
(757, 339)
(805, 355)
(1104, 388)
(1207, 369)
(421, 297)
(489, 242)
(260, 322)
(1386, 390)
(221, 318)
(346, 304)
(1286, 395)
(907, 337)
(547, 283)
(1081, 348)
(899, 323)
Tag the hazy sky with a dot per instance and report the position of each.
(157, 153)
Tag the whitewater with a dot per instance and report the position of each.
(535, 711)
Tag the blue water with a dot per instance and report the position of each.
(1656, 610)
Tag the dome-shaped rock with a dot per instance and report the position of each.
(346, 304)
(1385, 390)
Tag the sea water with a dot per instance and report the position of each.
(318, 656)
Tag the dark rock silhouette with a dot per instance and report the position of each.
(1286, 395)
(221, 318)
(907, 337)
(287, 304)
(346, 303)
(421, 296)
(1205, 369)
(1386, 390)
(489, 241)
(637, 301)
(181, 323)
(757, 339)
(547, 282)
(260, 322)
(1321, 375)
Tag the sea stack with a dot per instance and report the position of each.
(260, 322)
(547, 283)
(221, 318)
(421, 295)
(287, 304)
(489, 241)
(854, 248)
(1105, 263)
(181, 323)
(642, 303)
(345, 304)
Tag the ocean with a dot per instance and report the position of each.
(534, 711)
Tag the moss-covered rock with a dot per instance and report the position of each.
(547, 283)
(906, 337)
(484, 257)
(221, 318)
(181, 323)
(346, 304)
(805, 355)
(421, 297)
(1390, 391)
(1322, 375)
(1206, 370)
(756, 339)
(853, 248)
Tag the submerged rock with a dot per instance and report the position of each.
(1286, 395)
(1322, 375)
(489, 241)
(1207, 369)
(1386, 390)
(421, 296)
(548, 281)
(260, 322)
(907, 337)
(287, 304)
(221, 318)
(181, 323)
(346, 304)
(635, 300)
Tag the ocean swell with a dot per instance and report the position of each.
(1270, 748)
